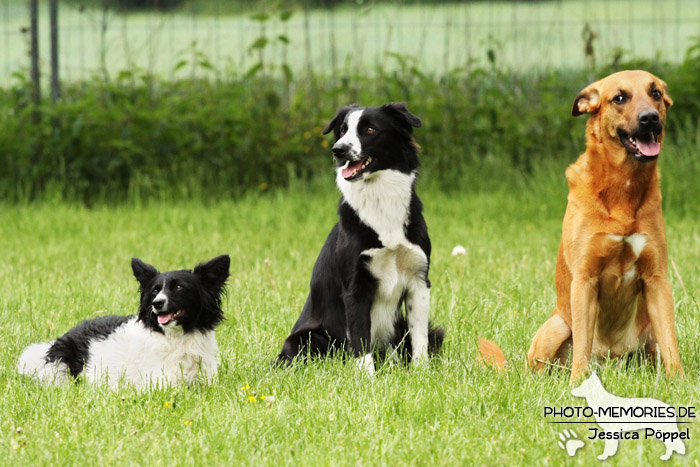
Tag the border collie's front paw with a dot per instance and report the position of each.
(420, 359)
(366, 363)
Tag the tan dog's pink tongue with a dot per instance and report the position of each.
(649, 149)
(165, 319)
(347, 171)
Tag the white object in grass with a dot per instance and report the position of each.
(459, 250)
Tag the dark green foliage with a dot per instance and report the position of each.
(142, 137)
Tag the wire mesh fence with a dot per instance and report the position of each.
(226, 38)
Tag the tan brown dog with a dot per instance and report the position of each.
(613, 294)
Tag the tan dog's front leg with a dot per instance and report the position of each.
(660, 308)
(584, 313)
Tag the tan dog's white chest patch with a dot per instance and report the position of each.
(619, 293)
(637, 242)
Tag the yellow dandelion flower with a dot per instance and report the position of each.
(324, 143)
(307, 134)
(252, 398)
(262, 398)
(167, 404)
(187, 423)
(245, 387)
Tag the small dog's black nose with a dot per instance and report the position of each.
(648, 120)
(339, 150)
(158, 303)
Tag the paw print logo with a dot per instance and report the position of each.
(570, 442)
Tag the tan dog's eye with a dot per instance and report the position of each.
(656, 95)
(342, 132)
(619, 99)
(370, 130)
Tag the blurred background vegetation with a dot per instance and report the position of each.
(216, 98)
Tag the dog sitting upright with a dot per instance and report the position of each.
(171, 340)
(377, 256)
(613, 293)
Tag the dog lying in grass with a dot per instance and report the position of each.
(171, 339)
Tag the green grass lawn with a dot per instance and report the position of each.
(61, 264)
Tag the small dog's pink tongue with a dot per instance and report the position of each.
(649, 149)
(165, 319)
(347, 171)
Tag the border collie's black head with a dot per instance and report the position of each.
(370, 139)
(189, 299)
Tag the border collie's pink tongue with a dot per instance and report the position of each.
(165, 318)
(347, 171)
(649, 149)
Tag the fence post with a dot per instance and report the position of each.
(53, 18)
(34, 50)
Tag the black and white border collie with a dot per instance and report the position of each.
(378, 255)
(170, 341)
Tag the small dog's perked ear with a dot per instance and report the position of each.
(143, 272)
(334, 124)
(399, 109)
(668, 102)
(214, 273)
(587, 101)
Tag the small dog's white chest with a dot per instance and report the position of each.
(141, 357)
(396, 270)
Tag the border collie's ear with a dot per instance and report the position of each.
(338, 119)
(399, 109)
(214, 273)
(143, 272)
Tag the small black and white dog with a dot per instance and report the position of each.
(377, 256)
(171, 340)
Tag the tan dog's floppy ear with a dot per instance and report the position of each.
(667, 99)
(587, 101)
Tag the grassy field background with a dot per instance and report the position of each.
(63, 263)
(350, 39)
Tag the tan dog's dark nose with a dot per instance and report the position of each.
(648, 120)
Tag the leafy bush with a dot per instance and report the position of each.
(142, 137)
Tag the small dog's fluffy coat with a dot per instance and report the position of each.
(170, 341)
(377, 256)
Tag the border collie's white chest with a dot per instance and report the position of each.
(382, 201)
(383, 204)
(397, 270)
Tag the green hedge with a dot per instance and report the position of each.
(141, 137)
